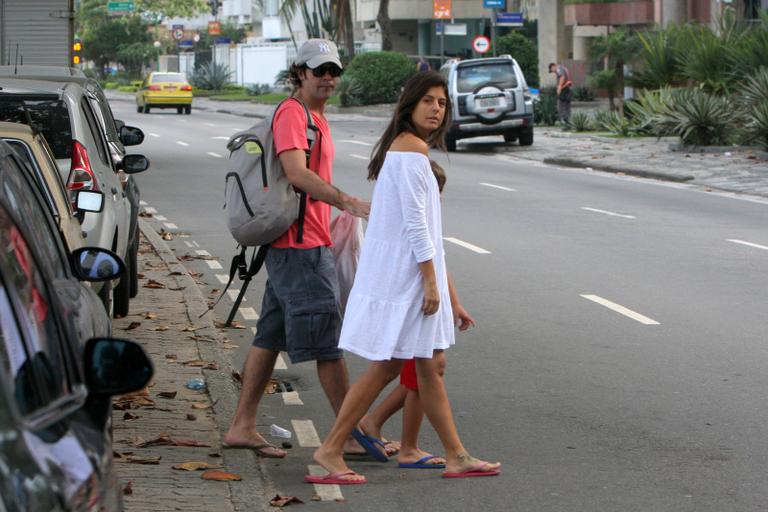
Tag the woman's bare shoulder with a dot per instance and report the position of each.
(408, 142)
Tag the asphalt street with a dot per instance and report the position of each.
(618, 362)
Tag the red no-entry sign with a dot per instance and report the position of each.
(481, 44)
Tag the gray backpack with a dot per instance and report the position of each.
(261, 204)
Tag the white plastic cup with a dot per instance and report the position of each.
(276, 431)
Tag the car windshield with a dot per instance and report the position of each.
(179, 79)
(48, 115)
(472, 77)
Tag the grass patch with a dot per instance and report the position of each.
(127, 88)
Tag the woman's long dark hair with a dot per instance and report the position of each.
(413, 91)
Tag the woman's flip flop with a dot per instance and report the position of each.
(476, 470)
(370, 444)
(334, 478)
(422, 463)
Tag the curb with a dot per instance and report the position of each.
(221, 388)
(570, 162)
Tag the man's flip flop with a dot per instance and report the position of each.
(370, 444)
(334, 478)
(422, 463)
(476, 470)
(258, 448)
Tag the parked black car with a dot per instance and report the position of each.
(55, 385)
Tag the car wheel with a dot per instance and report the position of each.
(139, 109)
(133, 258)
(526, 137)
(106, 296)
(179, 110)
(450, 143)
(146, 109)
(188, 109)
(510, 137)
(122, 294)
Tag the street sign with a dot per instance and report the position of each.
(441, 9)
(214, 28)
(222, 40)
(481, 44)
(187, 43)
(495, 4)
(451, 29)
(123, 7)
(177, 32)
(509, 19)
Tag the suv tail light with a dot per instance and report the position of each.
(186, 87)
(463, 105)
(81, 176)
(155, 88)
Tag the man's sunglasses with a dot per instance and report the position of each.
(333, 69)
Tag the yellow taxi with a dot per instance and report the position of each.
(164, 90)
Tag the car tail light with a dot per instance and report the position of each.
(186, 87)
(81, 176)
(463, 105)
(155, 88)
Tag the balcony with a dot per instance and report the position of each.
(634, 12)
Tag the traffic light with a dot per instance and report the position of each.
(214, 7)
(77, 48)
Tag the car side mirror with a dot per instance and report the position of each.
(115, 367)
(89, 201)
(119, 123)
(133, 164)
(131, 136)
(95, 264)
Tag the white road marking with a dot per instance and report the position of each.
(223, 278)
(291, 398)
(160, 218)
(327, 492)
(181, 143)
(306, 434)
(748, 244)
(498, 187)
(215, 155)
(358, 142)
(621, 310)
(253, 330)
(210, 124)
(202, 252)
(237, 129)
(233, 295)
(220, 137)
(143, 203)
(149, 209)
(195, 244)
(188, 244)
(249, 313)
(171, 225)
(215, 265)
(466, 245)
(280, 362)
(359, 157)
(154, 135)
(605, 212)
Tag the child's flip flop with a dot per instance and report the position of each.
(370, 445)
(422, 463)
(334, 478)
(476, 470)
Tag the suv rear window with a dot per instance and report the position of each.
(49, 116)
(156, 78)
(472, 77)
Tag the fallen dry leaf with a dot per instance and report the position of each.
(195, 274)
(150, 316)
(154, 284)
(130, 416)
(236, 376)
(178, 289)
(201, 405)
(172, 357)
(145, 215)
(165, 235)
(190, 329)
(180, 441)
(281, 501)
(168, 394)
(128, 488)
(195, 363)
(132, 326)
(161, 328)
(139, 459)
(132, 402)
(191, 417)
(195, 466)
(140, 275)
(220, 476)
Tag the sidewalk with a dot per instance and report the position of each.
(168, 424)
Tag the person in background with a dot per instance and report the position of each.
(564, 93)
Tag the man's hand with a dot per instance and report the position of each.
(461, 318)
(355, 206)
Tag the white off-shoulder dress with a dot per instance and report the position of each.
(383, 319)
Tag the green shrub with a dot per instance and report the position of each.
(659, 61)
(753, 101)
(613, 122)
(700, 118)
(259, 89)
(110, 85)
(380, 75)
(705, 59)
(524, 51)
(756, 127)
(127, 88)
(646, 110)
(211, 76)
(545, 110)
(581, 122)
(583, 94)
(349, 91)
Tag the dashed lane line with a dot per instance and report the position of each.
(306, 434)
(160, 218)
(220, 137)
(748, 244)
(210, 124)
(215, 155)
(188, 244)
(292, 398)
(466, 245)
(201, 252)
(170, 225)
(142, 203)
(214, 265)
(223, 278)
(606, 212)
(618, 308)
(182, 143)
(358, 142)
(154, 134)
(279, 362)
(233, 295)
(249, 313)
(326, 492)
(149, 209)
(359, 157)
(491, 185)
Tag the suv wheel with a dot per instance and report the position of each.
(450, 143)
(139, 109)
(510, 137)
(133, 258)
(188, 109)
(146, 109)
(122, 294)
(105, 294)
(526, 137)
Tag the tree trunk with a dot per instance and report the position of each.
(344, 28)
(385, 24)
(620, 85)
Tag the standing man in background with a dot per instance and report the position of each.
(564, 93)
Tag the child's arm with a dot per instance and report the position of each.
(463, 319)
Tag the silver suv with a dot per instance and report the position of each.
(489, 97)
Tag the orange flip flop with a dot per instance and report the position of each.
(334, 478)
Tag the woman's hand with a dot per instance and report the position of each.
(431, 298)
(461, 318)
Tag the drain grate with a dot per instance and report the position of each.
(283, 386)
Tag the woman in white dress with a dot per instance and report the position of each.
(403, 304)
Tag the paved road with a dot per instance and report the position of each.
(619, 358)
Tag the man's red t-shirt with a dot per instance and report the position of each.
(290, 132)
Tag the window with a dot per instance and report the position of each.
(96, 133)
(25, 153)
(471, 78)
(48, 115)
(167, 77)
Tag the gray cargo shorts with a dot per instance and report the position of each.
(300, 310)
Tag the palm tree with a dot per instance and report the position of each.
(385, 24)
(328, 18)
(615, 50)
